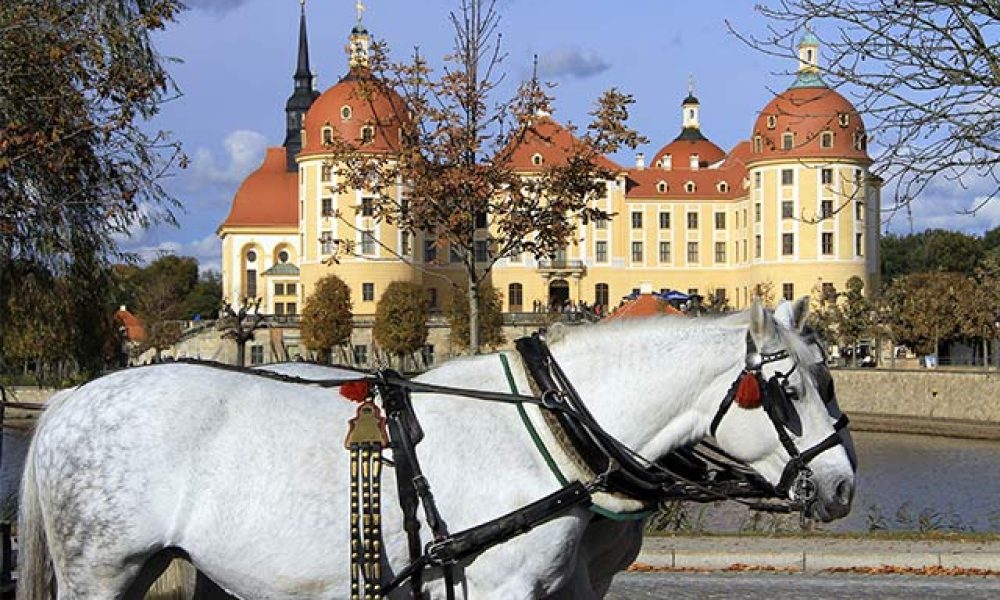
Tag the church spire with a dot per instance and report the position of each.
(303, 95)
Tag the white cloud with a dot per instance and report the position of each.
(946, 204)
(215, 6)
(244, 151)
(572, 62)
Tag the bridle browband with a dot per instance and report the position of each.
(796, 476)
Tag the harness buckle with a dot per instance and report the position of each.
(600, 483)
(804, 488)
(440, 553)
(552, 399)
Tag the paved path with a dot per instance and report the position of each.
(796, 586)
(815, 553)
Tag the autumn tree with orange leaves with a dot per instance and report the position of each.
(455, 155)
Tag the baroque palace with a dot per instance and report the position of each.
(792, 208)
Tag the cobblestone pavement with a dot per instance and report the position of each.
(795, 586)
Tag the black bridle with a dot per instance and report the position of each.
(777, 401)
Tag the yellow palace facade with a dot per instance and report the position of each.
(789, 210)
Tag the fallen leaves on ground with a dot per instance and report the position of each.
(931, 571)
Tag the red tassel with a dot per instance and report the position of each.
(748, 392)
(355, 391)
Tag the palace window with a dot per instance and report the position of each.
(756, 212)
(367, 207)
(290, 289)
(859, 210)
(515, 296)
(664, 252)
(827, 243)
(787, 209)
(360, 354)
(826, 176)
(826, 139)
(256, 354)
(758, 144)
(601, 251)
(720, 252)
(787, 141)
(600, 223)
(367, 243)
(251, 276)
(692, 252)
(327, 206)
(326, 242)
(636, 220)
(661, 187)
(787, 177)
(757, 246)
(636, 251)
(859, 246)
(345, 112)
(325, 173)
(279, 289)
(788, 244)
(692, 218)
(430, 251)
(427, 354)
(601, 294)
(482, 250)
(720, 220)
(664, 220)
(757, 180)
(827, 208)
(772, 121)
(367, 292)
(788, 291)
(327, 136)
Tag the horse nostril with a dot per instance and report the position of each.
(844, 492)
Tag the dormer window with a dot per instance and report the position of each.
(844, 119)
(787, 141)
(367, 134)
(758, 144)
(694, 161)
(772, 121)
(537, 160)
(667, 162)
(689, 187)
(826, 139)
(661, 187)
(723, 187)
(859, 140)
(327, 136)
(346, 112)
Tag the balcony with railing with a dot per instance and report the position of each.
(561, 265)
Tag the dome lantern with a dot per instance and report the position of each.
(808, 72)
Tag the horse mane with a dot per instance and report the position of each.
(570, 334)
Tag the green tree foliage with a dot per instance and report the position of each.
(326, 317)
(401, 319)
(490, 318)
(924, 308)
(78, 162)
(931, 250)
(204, 299)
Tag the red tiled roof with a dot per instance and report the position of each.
(135, 330)
(645, 184)
(645, 305)
(680, 151)
(555, 143)
(807, 112)
(372, 104)
(268, 196)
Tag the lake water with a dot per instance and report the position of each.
(904, 482)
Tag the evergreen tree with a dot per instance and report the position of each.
(401, 319)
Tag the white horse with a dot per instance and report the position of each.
(246, 476)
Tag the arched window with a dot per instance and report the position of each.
(661, 187)
(689, 187)
(327, 136)
(367, 134)
(537, 160)
(515, 297)
(758, 144)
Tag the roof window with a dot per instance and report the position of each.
(723, 187)
(661, 187)
(690, 187)
(772, 121)
(826, 139)
(346, 112)
(844, 119)
(537, 159)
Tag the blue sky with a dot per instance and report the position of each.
(237, 59)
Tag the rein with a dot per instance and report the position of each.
(701, 473)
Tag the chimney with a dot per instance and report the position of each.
(640, 161)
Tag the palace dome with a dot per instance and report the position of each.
(357, 108)
(689, 143)
(822, 124)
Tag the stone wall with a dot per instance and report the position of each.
(937, 394)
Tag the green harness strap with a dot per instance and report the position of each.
(551, 462)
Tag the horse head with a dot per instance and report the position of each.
(789, 427)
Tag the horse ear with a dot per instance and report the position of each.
(760, 322)
(800, 312)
